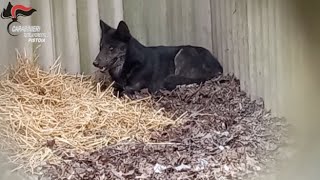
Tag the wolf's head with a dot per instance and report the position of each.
(113, 46)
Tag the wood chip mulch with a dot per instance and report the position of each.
(225, 136)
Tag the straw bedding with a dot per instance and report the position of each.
(45, 113)
(225, 135)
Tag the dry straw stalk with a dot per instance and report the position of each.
(45, 112)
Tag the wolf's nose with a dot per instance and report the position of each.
(95, 63)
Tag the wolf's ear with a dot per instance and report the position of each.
(123, 32)
(104, 27)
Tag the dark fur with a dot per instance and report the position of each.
(156, 67)
(111, 56)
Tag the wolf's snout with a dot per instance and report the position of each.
(95, 64)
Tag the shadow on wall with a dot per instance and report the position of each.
(305, 98)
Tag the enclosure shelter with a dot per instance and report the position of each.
(258, 41)
(263, 43)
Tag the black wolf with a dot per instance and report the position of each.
(111, 57)
(153, 67)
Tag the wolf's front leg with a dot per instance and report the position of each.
(130, 90)
(154, 87)
(118, 92)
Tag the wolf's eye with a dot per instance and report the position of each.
(111, 48)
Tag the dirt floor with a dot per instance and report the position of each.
(225, 136)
